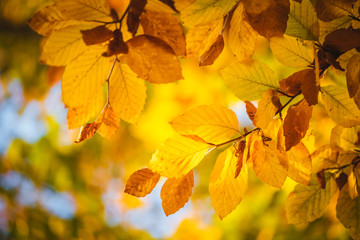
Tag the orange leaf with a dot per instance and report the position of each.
(299, 164)
(292, 84)
(136, 7)
(110, 122)
(176, 192)
(153, 60)
(209, 57)
(268, 105)
(309, 87)
(166, 27)
(296, 123)
(87, 131)
(96, 35)
(250, 110)
(141, 182)
(240, 157)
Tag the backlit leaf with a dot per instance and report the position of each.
(340, 107)
(136, 8)
(302, 21)
(352, 182)
(177, 156)
(141, 182)
(87, 131)
(226, 191)
(299, 164)
(203, 12)
(166, 27)
(242, 37)
(292, 84)
(153, 60)
(291, 52)
(63, 46)
(84, 9)
(309, 87)
(267, 107)
(176, 192)
(353, 78)
(296, 123)
(326, 157)
(209, 57)
(348, 212)
(346, 138)
(213, 123)
(307, 203)
(270, 19)
(249, 80)
(342, 40)
(110, 122)
(328, 10)
(250, 110)
(96, 35)
(127, 92)
(328, 27)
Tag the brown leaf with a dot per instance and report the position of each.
(341, 180)
(353, 75)
(268, 17)
(170, 3)
(239, 154)
(136, 7)
(309, 87)
(250, 110)
(327, 10)
(96, 35)
(296, 123)
(342, 40)
(153, 60)
(321, 179)
(166, 27)
(87, 131)
(116, 45)
(209, 57)
(176, 192)
(292, 84)
(141, 182)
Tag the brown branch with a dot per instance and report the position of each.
(287, 103)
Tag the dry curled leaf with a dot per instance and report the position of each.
(209, 57)
(87, 131)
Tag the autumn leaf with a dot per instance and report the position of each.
(250, 110)
(342, 40)
(176, 192)
(84, 9)
(348, 213)
(299, 164)
(309, 87)
(136, 7)
(328, 10)
(345, 138)
(268, 17)
(166, 27)
(307, 203)
(209, 57)
(141, 182)
(225, 190)
(296, 123)
(267, 107)
(203, 12)
(292, 84)
(302, 21)
(213, 123)
(291, 51)
(242, 37)
(339, 106)
(152, 60)
(353, 78)
(96, 35)
(240, 157)
(353, 179)
(177, 156)
(266, 163)
(109, 121)
(249, 80)
(326, 28)
(87, 131)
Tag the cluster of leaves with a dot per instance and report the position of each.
(316, 37)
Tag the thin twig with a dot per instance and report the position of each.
(108, 81)
(287, 103)
(233, 140)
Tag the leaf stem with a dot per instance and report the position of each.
(287, 103)
(342, 167)
(108, 81)
(234, 139)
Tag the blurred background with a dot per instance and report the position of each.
(51, 188)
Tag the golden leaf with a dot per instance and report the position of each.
(153, 60)
(209, 57)
(141, 182)
(242, 37)
(353, 180)
(166, 27)
(326, 28)
(249, 80)
(296, 123)
(226, 191)
(299, 164)
(213, 123)
(127, 92)
(345, 138)
(110, 122)
(87, 131)
(176, 192)
(84, 9)
(267, 107)
(177, 156)
(328, 10)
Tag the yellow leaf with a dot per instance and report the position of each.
(209, 57)
(226, 191)
(248, 81)
(348, 212)
(291, 51)
(242, 37)
(302, 21)
(84, 9)
(268, 167)
(141, 182)
(203, 12)
(307, 203)
(352, 183)
(325, 158)
(48, 20)
(267, 107)
(299, 164)
(166, 27)
(213, 123)
(340, 107)
(63, 46)
(156, 5)
(176, 192)
(83, 78)
(177, 156)
(200, 38)
(110, 122)
(326, 28)
(153, 60)
(127, 92)
(346, 138)
(87, 131)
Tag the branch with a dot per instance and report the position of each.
(233, 140)
(108, 81)
(287, 103)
